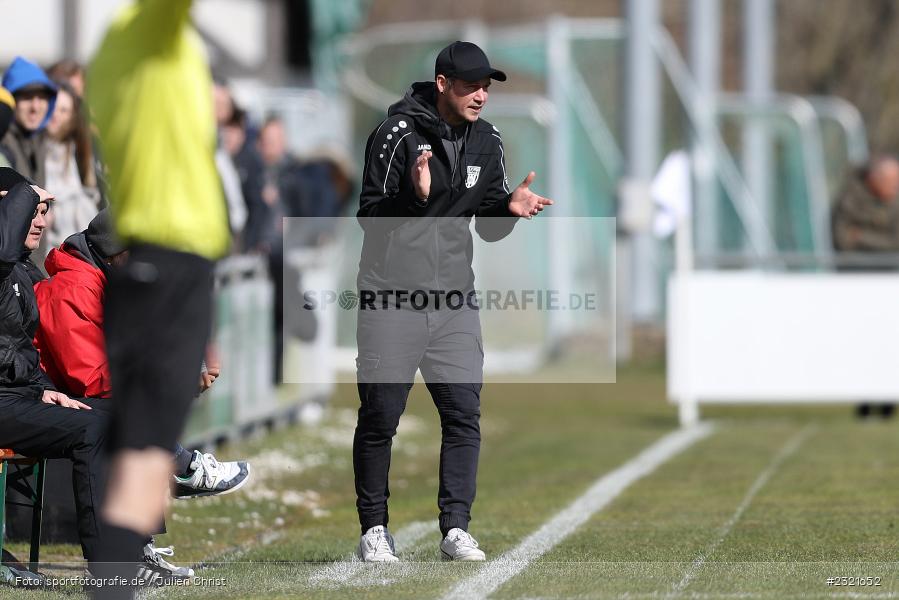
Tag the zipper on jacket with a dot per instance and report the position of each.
(451, 198)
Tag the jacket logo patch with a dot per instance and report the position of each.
(424, 147)
(473, 174)
(15, 287)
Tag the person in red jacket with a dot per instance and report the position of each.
(72, 348)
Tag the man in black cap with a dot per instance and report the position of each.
(430, 167)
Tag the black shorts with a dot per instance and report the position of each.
(158, 316)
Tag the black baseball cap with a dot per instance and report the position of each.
(467, 62)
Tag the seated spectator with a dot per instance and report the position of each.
(70, 170)
(35, 97)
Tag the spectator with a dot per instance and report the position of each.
(69, 168)
(223, 102)
(68, 71)
(283, 195)
(242, 149)
(341, 174)
(283, 190)
(35, 97)
(866, 219)
(223, 106)
(327, 174)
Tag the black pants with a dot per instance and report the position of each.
(33, 428)
(158, 316)
(446, 346)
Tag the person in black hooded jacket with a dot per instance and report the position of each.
(430, 168)
(36, 419)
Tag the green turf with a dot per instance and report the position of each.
(827, 510)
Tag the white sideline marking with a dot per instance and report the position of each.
(497, 572)
(761, 481)
(407, 537)
(341, 573)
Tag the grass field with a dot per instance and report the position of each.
(768, 504)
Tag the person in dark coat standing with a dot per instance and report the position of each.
(430, 167)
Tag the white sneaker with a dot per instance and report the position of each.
(376, 545)
(459, 545)
(211, 477)
(154, 566)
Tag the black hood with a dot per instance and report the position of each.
(420, 104)
(78, 246)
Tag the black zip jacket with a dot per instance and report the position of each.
(410, 245)
(20, 371)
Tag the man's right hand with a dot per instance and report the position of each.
(421, 175)
(213, 368)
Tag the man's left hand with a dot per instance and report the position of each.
(525, 203)
(51, 397)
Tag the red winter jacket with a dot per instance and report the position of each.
(70, 336)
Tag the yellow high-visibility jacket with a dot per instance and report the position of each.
(150, 92)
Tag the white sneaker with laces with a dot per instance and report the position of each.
(376, 545)
(211, 477)
(154, 566)
(459, 545)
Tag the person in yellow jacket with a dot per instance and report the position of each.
(150, 91)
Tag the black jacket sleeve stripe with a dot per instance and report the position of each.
(390, 162)
(370, 149)
(381, 193)
(377, 185)
(502, 163)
